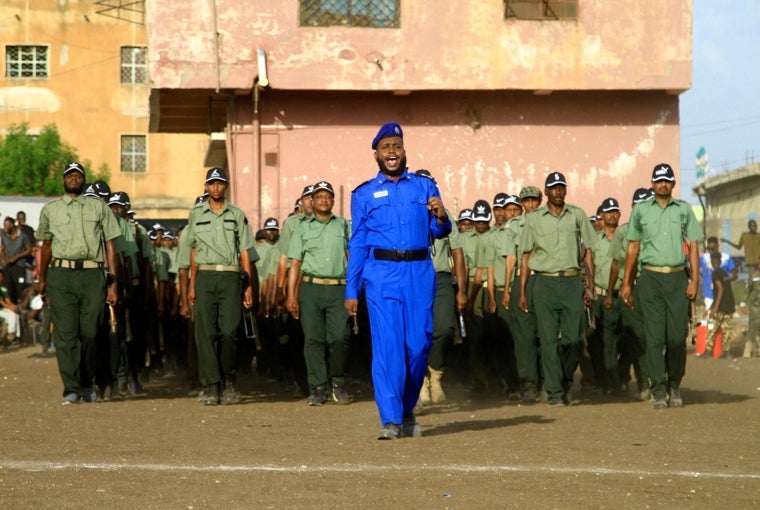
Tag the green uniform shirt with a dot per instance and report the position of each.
(214, 236)
(511, 246)
(497, 255)
(482, 252)
(321, 247)
(162, 265)
(603, 261)
(291, 222)
(661, 231)
(74, 227)
(441, 252)
(551, 240)
(129, 245)
(470, 246)
(263, 249)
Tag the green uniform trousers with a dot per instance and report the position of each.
(525, 333)
(76, 307)
(325, 325)
(504, 351)
(444, 310)
(558, 302)
(603, 343)
(218, 310)
(665, 308)
(633, 344)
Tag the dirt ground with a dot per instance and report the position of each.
(165, 450)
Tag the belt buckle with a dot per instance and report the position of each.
(78, 264)
(560, 274)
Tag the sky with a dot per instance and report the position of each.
(721, 111)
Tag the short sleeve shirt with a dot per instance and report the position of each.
(662, 231)
(552, 241)
(75, 227)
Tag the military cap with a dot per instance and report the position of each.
(530, 192)
(512, 199)
(73, 166)
(117, 198)
(610, 204)
(500, 200)
(216, 174)
(465, 214)
(323, 185)
(387, 130)
(555, 179)
(663, 172)
(481, 211)
(640, 195)
(271, 224)
(307, 191)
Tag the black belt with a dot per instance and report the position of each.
(401, 255)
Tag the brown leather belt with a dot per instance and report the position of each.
(401, 255)
(323, 281)
(77, 264)
(571, 272)
(663, 269)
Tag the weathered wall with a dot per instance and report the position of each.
(441, 45)
(83, 96)
(606, 143)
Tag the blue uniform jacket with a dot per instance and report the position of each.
(390, 215)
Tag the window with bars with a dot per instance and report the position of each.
(134, 67)
(134, 153)
(541, 9)
(26, 61)
(350, 13)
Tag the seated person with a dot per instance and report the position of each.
(9, 315)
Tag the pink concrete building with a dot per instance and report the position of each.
(493, 95)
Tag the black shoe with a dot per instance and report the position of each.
(340, 395)
(317, 397)
(210, 395)
(557, 402)
(675, 398)
(530, 395)
(390, 431)
(230, 394)
(410, 427)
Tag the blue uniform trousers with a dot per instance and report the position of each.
(400, 303)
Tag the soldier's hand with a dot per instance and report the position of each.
(40, 286)
(461, 300)
(491, 306)
(691, 289)
(352, 306)
(112, 297)
(608, 302)
(589, 296)
(248, 297)
(435, 206)
(522, 302)
(293, 307)
(626, 295)
(506, 299)
(191, 295)
(184, 309)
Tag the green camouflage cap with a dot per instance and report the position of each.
(530, 191)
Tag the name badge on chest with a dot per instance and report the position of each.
(379, 194)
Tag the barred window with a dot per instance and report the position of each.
(134, 68)
(350, 13)
(541, 9)
(134, 153)
(26, 61)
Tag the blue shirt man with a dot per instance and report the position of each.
(393, 217)
(706, 270)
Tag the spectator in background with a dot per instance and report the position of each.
(750, 241)
(706, 269)
(15, 249)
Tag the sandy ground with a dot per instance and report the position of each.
(165, 450)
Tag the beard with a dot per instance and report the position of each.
(392, 173)
(75, 190)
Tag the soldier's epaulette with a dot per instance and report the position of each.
(362, 184)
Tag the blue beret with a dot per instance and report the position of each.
(386, 130)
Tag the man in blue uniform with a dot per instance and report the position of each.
(393, 216)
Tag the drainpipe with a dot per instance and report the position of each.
(259, 83)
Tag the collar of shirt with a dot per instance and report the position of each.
(313, 217)
(382, 178)
(206, 206)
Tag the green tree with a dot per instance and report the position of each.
(32, 165)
